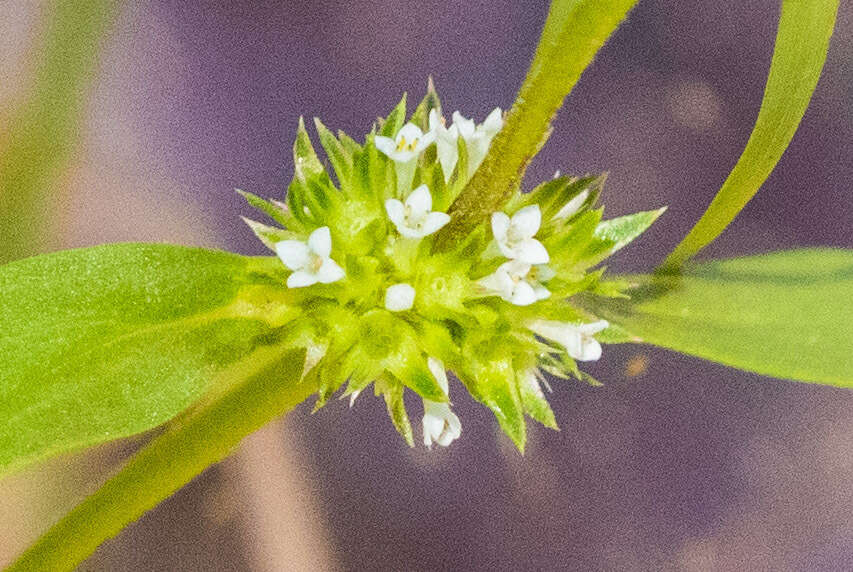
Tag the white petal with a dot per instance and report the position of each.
(420, 202)
(572, 206)
(300, 279)
(498, 282)
(320, 242)
(330, 272)
(572, 341)
(452, 429)
(396, 212)
(466, 126)
(410, 232)
(399, 297)
(542, 293)
(592, 327)
(500, 226)
(425, 141)
(526, 221)
(532, 251)
(590, 350)
(544, 272)
(515, 268)
(448, 155)
(410, 131)
(523, 294)
(294, 253)
(436, 367)
(493, 122)
(433, 222)
(435, 123)
(385, 144)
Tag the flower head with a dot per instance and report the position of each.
(440, 424)
(577, 339)
(512, 282)
(407, 145)
(515, 235)
(310, 261)
(414, 218)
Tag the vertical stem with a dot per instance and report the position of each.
(574, 31)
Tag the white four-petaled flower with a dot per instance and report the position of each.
(513, 282)
(576, 338)
(477, 139)
(405, 147)
(440, 424)
(414, 218)
(310, 261)
(515, 235)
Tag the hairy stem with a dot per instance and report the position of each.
(574, 31)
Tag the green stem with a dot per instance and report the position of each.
(574, 31)
(802, 42)
(172, 459)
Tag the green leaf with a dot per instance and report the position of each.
(573, 33)
(802, 42)
(534, 402)
(785, 314)
(431, 101)
(264, 388)
(276, 211)
(393, 394)
(339, 156)
(105, 342)
(269, 235)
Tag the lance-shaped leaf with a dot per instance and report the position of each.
(802, 42)
(786, 314)
(105, 342)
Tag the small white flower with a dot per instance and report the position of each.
(477, 139)
(576, 338)
(409, 142)
(512, 282)
(399, 297)
(310, 260)
(414, 218)
(515, 235)
(571, 207)
(440, 424)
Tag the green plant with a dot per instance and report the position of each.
(403, 263)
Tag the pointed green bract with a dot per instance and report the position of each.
(785, 314)
(802, 42)
(106, 342)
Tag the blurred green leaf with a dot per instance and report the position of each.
(264, 388)
(785, 314)
(106, 342)
(39, 136)
(802, 42)
(621, 231)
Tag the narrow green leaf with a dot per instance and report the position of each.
(269, 235)
(534, 402)
(802, 42)
(105, 342)
(431, 101)
(393, 394)
(265, 387)
(275, 211)
(573, 33)
(491, 380)
(339, 156)
(38, 137)
(621, 231)
(785, 314)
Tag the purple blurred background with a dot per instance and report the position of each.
(675, 464)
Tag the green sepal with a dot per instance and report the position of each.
(269, 235)
(431, 101)
(553, 195)
(534, 402)
(490, 378)
(392, 124)
(569, 248)
(349, 144)
(618, 232)
(339, 156)
(274, 210)
(393, 393)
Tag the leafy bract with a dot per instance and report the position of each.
(802, 42)
(105, 342)
(786, 314)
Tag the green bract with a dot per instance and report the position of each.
(492, 308)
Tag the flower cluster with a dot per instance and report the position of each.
(366, 291)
